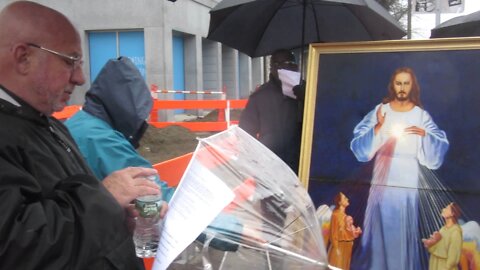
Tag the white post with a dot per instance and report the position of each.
(227, 113)
(438, 11)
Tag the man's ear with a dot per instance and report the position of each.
(21, 58)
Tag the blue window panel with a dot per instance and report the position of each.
(178, 68)
(132, 45)
(103, 46)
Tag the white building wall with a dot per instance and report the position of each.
(230, 72)
(212, 65)
(245, 75)
(258, 73)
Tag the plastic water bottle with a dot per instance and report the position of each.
(147, 225)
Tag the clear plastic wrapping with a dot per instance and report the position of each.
(271, 224)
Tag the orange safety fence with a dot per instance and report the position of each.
(67, 112)
(221, 105)
(148, 262)
(171, 171)
(155, 90)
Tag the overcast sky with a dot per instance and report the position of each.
(423, 23)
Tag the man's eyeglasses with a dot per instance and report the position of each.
(73, 61)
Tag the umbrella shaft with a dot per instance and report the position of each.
(293, 254)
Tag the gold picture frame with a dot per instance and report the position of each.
(346, 84)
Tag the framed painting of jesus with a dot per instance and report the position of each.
(391, 142)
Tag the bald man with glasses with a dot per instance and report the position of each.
(54, 213)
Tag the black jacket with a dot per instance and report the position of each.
(274, 119)
(54, 214)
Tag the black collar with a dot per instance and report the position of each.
(25, 110)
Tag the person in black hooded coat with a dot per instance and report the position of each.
(274, 118)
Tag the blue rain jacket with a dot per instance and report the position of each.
(113, 120)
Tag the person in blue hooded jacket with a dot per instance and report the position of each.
(112, 121)
(111, 124)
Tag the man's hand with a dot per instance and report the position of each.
(415, 130)
(130, 183)
(299, 90)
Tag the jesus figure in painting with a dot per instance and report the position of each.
(402, 137)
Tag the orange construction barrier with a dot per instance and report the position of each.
(171, 171)
(196, 126)
(197, 104)
(148, 262)
(221, 124)
(67, 112)
(155, 91)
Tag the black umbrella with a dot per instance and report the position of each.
(257, 28)
(461, 26)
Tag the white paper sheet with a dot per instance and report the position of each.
(199, 198)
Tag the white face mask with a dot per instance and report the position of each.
(289, 79)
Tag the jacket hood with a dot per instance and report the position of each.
(120, 96)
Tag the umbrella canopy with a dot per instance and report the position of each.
(258, 28)
(461, 26)
(270, 223)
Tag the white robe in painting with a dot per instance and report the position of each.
(391, 237)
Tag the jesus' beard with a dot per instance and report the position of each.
(402, 98)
